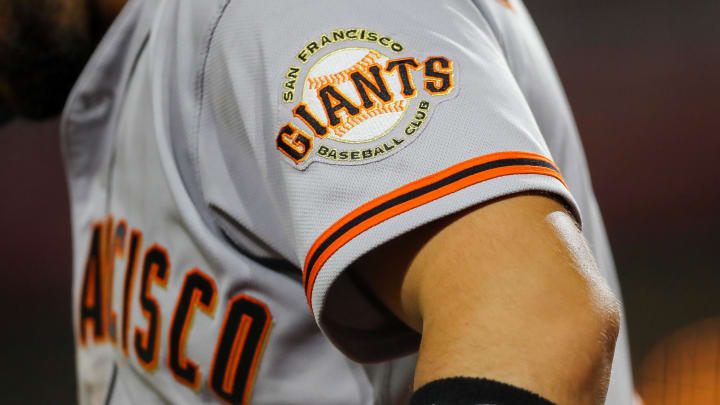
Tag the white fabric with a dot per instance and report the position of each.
(174, 125)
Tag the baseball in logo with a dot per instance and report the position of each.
(358, 103)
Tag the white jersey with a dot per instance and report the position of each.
(228, 160)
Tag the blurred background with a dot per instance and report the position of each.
(643, 79)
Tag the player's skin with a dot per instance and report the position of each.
(507, 290)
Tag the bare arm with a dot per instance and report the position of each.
(508, 291)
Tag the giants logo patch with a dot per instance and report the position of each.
(355, 104)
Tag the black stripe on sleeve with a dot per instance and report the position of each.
(415, 194)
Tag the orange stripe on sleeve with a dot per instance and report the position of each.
(415, 194)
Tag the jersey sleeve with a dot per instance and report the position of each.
(329, 128)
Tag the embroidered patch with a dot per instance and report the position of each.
(353, 97)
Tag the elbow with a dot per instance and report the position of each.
(582, 321)
(607, 314)
(610, 321)
(595, 351)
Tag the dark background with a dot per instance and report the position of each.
(643, 79)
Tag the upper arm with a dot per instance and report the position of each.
(516, 241)
(507, 290)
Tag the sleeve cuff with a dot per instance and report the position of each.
(364, 332)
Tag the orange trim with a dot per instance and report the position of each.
(116, 249)
(411, 82)
(236, 351)
(238, 347)
(93, 270)
(381, 83)
(316, 82)
(433, 80)
(152, 276)
(293, 143)
(418, 201)
(107, 274)
(338, 94)
(195, 302)
(129, 284)
(259, 350)
(308, 123)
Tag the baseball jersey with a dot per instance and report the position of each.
(228, 160)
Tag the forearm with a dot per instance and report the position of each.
(549, 356)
